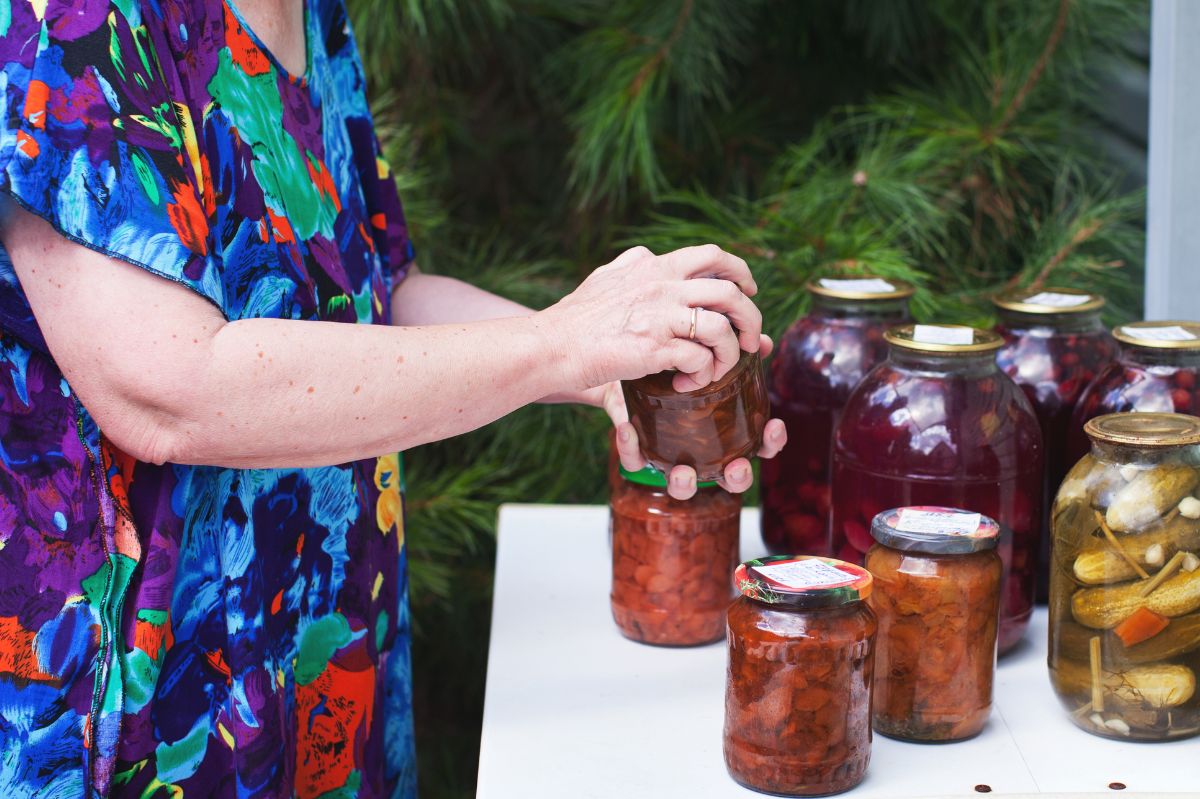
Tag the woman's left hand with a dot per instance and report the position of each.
(681, 484)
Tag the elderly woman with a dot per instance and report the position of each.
(207, 297)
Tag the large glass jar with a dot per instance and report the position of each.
(818, 362)
(671, 560)
(1054, 345)
(798, 688)
(937, 599)
(1125, 583)
(1158, 369)
(704, 429)
(938, 423)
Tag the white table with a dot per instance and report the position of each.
(573, 710)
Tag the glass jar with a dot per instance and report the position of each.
(798, 687)
(1054, 344)
(937, 599)
(1125, 579)
(704, 429)
(671, 560)
(818, 362)
(938, 423)
(1158, 369)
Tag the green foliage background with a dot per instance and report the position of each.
(940, 141)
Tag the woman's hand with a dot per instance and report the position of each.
(681, 484)
(633, 317)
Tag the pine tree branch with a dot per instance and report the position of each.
(1035, 74)
(660, 55)
(1079, 237)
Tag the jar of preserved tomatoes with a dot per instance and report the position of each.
(671, 560)
(818, 362)
(937, 599)
(798, 688)
(704, 429)
(1158, 369)
(1125, 579)
(938, 423)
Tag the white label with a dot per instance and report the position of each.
(805, 574)
(938, 334)
(1056, 300)
(913, 520)
(1164, 333)
(872, 285)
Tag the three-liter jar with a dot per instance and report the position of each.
(1054, 345)
(672, 560)
(798, 688)
(1157, 370)
(938, 423)
(937, 599)
(704, 429)
(818, 362)
(1125, 583)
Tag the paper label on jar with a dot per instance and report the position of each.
(811, 573)
(1164, 333)
(937, 522)
(939, 334)
(872, 285)
(1055, 300)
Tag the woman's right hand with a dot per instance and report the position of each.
(632, 317)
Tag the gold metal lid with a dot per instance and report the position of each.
(945, 339)
(1168, 335)
(861, 287)
(1145, 429)
(1048, 301)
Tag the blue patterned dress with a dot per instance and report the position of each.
(192, 631)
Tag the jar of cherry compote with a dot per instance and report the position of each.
(1158, 369)
(671, 560)
(1054, 344)
(704, 429)
(938, 423)
(818, 362)
(798, 688)
(937, 599)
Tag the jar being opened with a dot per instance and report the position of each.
(818, 362)
(798, 686)
(1125, 583)
(671, 560)
(704, 429)
(937, 599)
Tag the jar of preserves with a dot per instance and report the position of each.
(1125, 582)
(818, 362)
(937, 599)
(1157, 369)
(938, 423)
(798, 688)
(704, 429)
(671, 560)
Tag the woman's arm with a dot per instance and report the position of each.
(168, 379)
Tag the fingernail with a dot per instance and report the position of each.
(624, 435)
(740, 474)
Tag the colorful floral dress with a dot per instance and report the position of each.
(192, 631)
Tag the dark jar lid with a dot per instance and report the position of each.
(1149, 430)
(1048, 301)
(649, 476)
(943, 339)
(1170, 335)
(803, 581)
(935, 530)
(861, 288)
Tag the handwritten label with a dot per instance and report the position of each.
(1164, 333)
(872, 285)
(939, 334)
(802, 574)
(1055, 300)
(937, 522)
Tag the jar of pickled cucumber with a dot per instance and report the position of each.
(818, 362)
(672, 560)
(706, 428)
(1125, 579)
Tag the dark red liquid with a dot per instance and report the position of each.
(951, 431)
(1140, 380)
(819, 361)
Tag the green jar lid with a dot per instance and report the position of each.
(649, 476)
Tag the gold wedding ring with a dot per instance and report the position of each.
(692, 329)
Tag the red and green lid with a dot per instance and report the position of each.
(935, 530)
(649, 476)
(803, 581)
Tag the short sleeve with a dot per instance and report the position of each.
(397, 247)
(98, 140)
